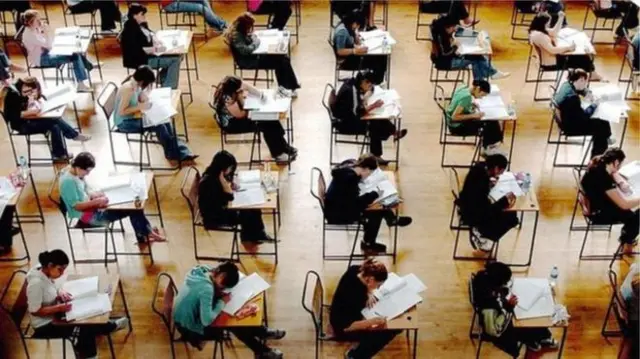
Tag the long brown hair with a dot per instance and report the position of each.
(227, 87)
(609, 156)
(241, 24)
(30, 82)
(375, 269)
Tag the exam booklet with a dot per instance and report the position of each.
(247, 288)
(86, 301)
(535, 298)
(377, 180)
(396, 296)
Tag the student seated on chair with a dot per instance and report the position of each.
(202, 298)
(351, 52)
(349, 109)
(453, 8)
(629, 290)
(37, 38)
(495, 303)
(228, 103)
(46, 302)
(577, 121)
(133, 98)
(488, 220)
(243, 42)
(7, 230)
(445, 55)
(464, 119)
(140, 46)
(280, 11)
(344, 204)
(366, 7)
(627, 11)
(90, 208)
(353, 294)
(22, 104)
(215, 193)
(610, 197)
(200, 7)
(109, 12)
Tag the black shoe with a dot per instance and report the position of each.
(292, 151)
(275, 334)
(14, 231)
(382, 161)
(189, 158)
(373, 247)
(400, 134)
(402, 221)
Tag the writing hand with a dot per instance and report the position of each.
(561, 14)
(480, 115)
(377, 104)
(511, 198)
(64, 296)
(371, 301)
(226, 298)
(103, 202)
(63, 308)
(513, 301)
(360, 50)
(378, 322)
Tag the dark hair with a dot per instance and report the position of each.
(230, 272)
(241, 24)
(367, 161)
(497, 160)
(577, 74)
(483, 85)
(145, 75)
(57, 257)
(227, 87)
(220, 162)
(354, 17)
(609, 156)
(31, 82)
(135, 9)
(539, 23)
(497, 274)
(439, 35)
(84, 161)
(375, 269)
(365, 75)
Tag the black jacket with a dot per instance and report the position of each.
(343, 202)
(348, 301)
(14, 104)
(348, 107)
(573, 116)
(443, 51)
(132, 41)
(213, 202)
(475, 205)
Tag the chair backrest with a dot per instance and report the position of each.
(329, 100)
(470, 290)
(315, 306)
(318, 187)
(454, 182)
(630, 53)
(441, 100)
(555, 108)
(107, 100)
(189, 190)
(585, 205)
(18, 309)
(620, 310)
(165, 311)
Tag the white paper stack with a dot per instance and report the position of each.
(125, 188)
(631, 172)
(396, 296)
(7, 190)
(374, 40)
(82, 288)
(249, 180)
(57, 97)
(247, 288)
(386, 96)
(269, 38)
(612, 105)
(161, 110)
(172, 39)
(268, 107)
(535, 298)
(568, 36)
(86, 301)
(506, 183)
(249, 197)
(493, 107)
(377, 180)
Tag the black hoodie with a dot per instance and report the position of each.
(343, 202)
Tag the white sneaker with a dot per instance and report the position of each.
(82, 138)
(84, 87)
(611, 141)
(481, 243)
(285, 92)
(500, 75)
(121, 323)
(491, 150)
(282, 158)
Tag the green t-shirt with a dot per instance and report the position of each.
(72, 191)
(461, 97)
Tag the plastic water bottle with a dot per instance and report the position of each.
(553, 276)
(511, 109)
(385, 44)
(78, 42)
(24, 168)
(526, 182)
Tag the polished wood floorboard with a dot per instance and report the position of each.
(424, 248)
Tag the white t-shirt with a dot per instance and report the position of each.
(41, 291)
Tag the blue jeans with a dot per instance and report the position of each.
(174, 149)
(169, 69)
(139, 222)
(58, 128)
(480, 66)
(201, 7)
(80, 63)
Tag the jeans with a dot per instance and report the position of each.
(495, 227)
(370, 342)
(139, 221)
(201, 7)
(373, 220)
(629, 219)
(272, 131)
(480, 66)
(491, 131)
(83, 337)
(169, 69)
(174, 149)
(280, 11)
(285, 75)
(80, 63)
(58, 128)
(109, 12)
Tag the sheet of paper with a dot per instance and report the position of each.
(528, 293)
(88, 307)
(567, 36)
(495, 113)
(414, 283)
(387, 96)
(58, 97)
(608, 92)
(540, 307)
(246, 289)
(393, 305)
(251, 176)
(388, 110)
(272, 103)
(124, 194)
(81, 288)
(610, 112)
(7, 190)
(392, 284)
(71, 30)
(506, 183)
(159, 113)
(249, 197)
(172, 39)
(630, 170)
(270, 39)
(116, 181)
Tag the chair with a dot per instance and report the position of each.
(619, 308)
(340, 63)
(59, 76)
(70, 11)
(634, 75)
(315, 307)
(556, 118)
(540, 78)
(421, 24)
(30, 141)
(463, 75)
(182, 19)
(189, 190)
(269, 73)
(257, 15)
(164, 309)
(599, 14)
(4, 22)
(521, 18)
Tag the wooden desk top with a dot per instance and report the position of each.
(271, 198)
(225, 320)
(392, 178)
(16, 197)
(180, 50)
(131, 205)
(107, 283)
(408, 320)
(526, 203)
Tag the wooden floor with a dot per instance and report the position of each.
(424, 248)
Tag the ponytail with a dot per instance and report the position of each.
(375, 269)
(609, 156)
(28, 16)
(56, 257)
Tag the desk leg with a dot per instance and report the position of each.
(124, 303)
(415, 343)
(155, 193)
(35, 194)
(513, 138)
(184, 121)
(113, 354)
(275, 234)
(564, 338)
(533, 238)
(264, 308)
(624, 130)
(395, 237)
(195, 60)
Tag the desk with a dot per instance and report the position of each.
(273, 42)
(409, 322)
(13, 202)
(274, 103)
(74, 39)
(584, 46)
(178, 43)
(473, 42)
(227, 321)
(543, 322)
(495, 108)
(375, 48)
(391, 111)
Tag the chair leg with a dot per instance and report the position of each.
(353, 248)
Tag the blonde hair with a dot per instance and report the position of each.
(29, 16)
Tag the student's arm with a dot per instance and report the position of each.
(545, 43)
(35, 297)
(365, 324)
(495, 322)
(572, 106)
(242, 46)
(553, 31)
(68, 188)
(209, 310)
(236, 111)
(251, 89)
(458, 115)
(622, 202)
(125, 98)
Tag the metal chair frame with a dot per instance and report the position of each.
(520, 19)
(317, 304)
(598, 14)
(556, 119)
(634, 75)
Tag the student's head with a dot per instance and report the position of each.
(53, 263)
(578, 78)
(225, 275)
(480, 88)
(230, 86)
(144, 76)
(29, 87)
(83, 163)
(373, 274)
(540, 23)
(611, 160)
(244, 23)
(137, 12)
(496, 164)
(497, 274)
(448, 24)
(31, 18)
(354, 20)
(365, 165)
(223, 162)
(365, 80)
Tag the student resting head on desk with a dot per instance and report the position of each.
(131, 100)
(344, 204)
(574, 120)
(494, 304)
(45, 302)
(629, 290)
(445, 55)
(90, 208)
(350, 107)
(353, 294)
(350, 50)
(464, 119)
(243, 42)
(488, 220)
(201, 299)
(611, 199)
(21, 105)
(228, 103)
(454, 9)
(215, 193)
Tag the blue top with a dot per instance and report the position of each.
(342, 39)
(133, 101)
(72, 191)
(196, 307)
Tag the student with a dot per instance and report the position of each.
(37, 39)
(201, 299)
(452, 8)
(19, 6)
(366, 7)
(109, 12)
(90, 208)
(201, 7)
(629, 290)
(344, 204)
(45, 301)
(488, 219)
(444, 52)
(609, 194)
(579, 121)
(7, 67)
(22, 104)
(140, 46)
(353, 294)
(554, 57)
(349, 109)
(133, 98)
(464, 119)
(494, 304)
(215, 193)
(280, 11)
(627, 11)
(351, 52)
(243, 42)
(228, 101)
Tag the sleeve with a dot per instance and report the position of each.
(341, 37)
(590, 110)
(69, 193)
(366, 199)
(243, 47)
(495, 322)
(466, 103)
(35, 296)
(208, 310)
(344, 310)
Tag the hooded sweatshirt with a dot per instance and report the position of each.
(41, 292)
(196, 307)
(343, 202)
